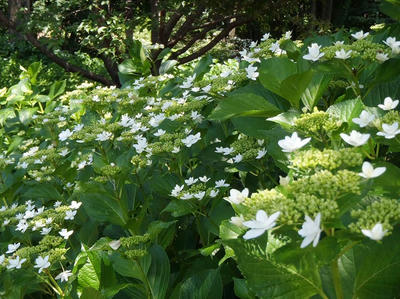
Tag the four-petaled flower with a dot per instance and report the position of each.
(15, 263)
(364, 119)
(313, 53)
(42, 263)
(236, 197)
(355, 138)
(252, 72)
(65, 234)
(388, 104)
(342, 54)
(191, 139)
(63, 276)
(369, 172)
(360, 35)
(13, 247)
(260, 224)
(389, 131)
(292, 143)
(376, 233)
(310, 231)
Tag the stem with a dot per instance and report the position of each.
(336, 279)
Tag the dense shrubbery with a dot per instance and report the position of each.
(275, 175)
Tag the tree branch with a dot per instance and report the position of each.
(61, 62)
(155, 21)
(169, 26)
(185, 28)
(213, 42)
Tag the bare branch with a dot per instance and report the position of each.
(61, 62)
(185, 28)
(213, 42)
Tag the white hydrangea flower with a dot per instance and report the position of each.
(381, 57)
(261, 153)
(191, 139)
(64, 135)
(15, 263)
(360, 35)
(369, 172)
(236, 197)
(13, 247)
(389, 131)
(252, 72)
(292, 143)
(311, 231)
(262, 223)
(364, 119)
(355, 138)
(376, 233)
(42, 263)
(70, 215)
(313, 52)
(104, 136)
(342, 54)
(388, 104)
(63, 276)
(65, 233)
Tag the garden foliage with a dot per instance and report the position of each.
(275, 175)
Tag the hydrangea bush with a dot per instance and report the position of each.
(273, 175)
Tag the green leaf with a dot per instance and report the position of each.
(294, 86)
(43, 191)
(274, 70)
(347, 110)
(159, 272)
(293, 276)
(387, 71)
(5, 114)
(203, 285)
(179, 208)
(102, 207)
(241, 289)
(89, 274)
(374, 267)
(280, 76)
(128, 67)
(57, 89)
(203, 66)
(286, 119)
(391, 8)
(127, 267)
(379, 92)
(315, 90)
(166, 66)
(163, 53)
(251, 125)
(389, 182)
(243, 105)
(25, 115)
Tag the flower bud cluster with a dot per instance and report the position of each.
(381, 210)
(317, 124)
(315, 159)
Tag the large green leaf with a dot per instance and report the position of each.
(274, 70)
(294, 86)
(203, 66)
(243, 105)
(391, 8)
(315, 90)
(57, 89)
(159, 272)
(203, 285)
(102, 207)
(377, 93)
(292, 276)
(89, 274)
(280, 75)
(374, 268)
(43, 191)
(347, 110)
